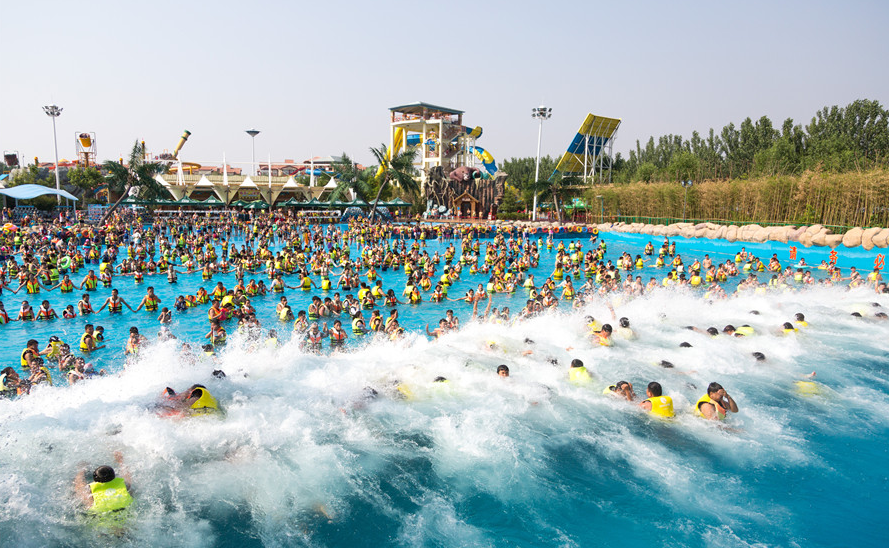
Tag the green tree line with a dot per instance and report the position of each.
(838, 139)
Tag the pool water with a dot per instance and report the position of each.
(304, 458)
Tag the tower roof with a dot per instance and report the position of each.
(417, 108)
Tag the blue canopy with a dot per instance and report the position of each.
(26, 192)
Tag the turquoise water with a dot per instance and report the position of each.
(303, 459)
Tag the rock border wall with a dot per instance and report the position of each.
(807, 236)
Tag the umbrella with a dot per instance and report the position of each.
(212, 201)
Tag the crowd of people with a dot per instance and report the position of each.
(279, 256)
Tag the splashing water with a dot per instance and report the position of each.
(306, 455)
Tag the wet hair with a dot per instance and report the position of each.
(800, 317)
(684, 344)
(655, 389)
(528, 341)
(502, 368)
(856, 314)
(103, 474)
(714, 387)
(728, 328)
(219, 374)
(712, 331)
(576, 363)
(787, 325)
(440, 379)
(666, 365)
(881, 315)
(755, 312)
(607, 328)
(624, 322)
(760, 357)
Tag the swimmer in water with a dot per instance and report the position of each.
(108, 492)
(502, 371)
(621, 389)
(715, 404)
(656, 403)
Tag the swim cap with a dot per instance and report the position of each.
(103, 474)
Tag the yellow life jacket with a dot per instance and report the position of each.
(151, 304)
(745, 330)
(83, 346)
(109, 496)
(661, 406)
(25, 364)
(579, 375)
(205, 404)
(720, 411)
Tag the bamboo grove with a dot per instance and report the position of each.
(833, 199)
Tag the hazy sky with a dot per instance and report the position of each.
(317, 78)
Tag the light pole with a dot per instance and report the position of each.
(53, 111)
(685, 185)
(541, 113)
(253, 133)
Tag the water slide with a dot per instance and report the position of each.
(486, 158)
(416, 139)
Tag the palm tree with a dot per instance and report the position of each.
(399, 169)
(554, 187)
(349, 178)
(137, 173)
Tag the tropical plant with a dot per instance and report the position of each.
(399, 169)
(554, 187)
(136, 174)
(350, 179)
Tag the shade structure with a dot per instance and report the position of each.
(185, 200)
(397, 202)
(291, 202)
(357, 202)
(257, 204)
(316, 203)
(27, 192)
(212, 201)
(238, 203)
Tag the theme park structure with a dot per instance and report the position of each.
(456, 174)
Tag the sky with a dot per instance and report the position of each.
(318, 78)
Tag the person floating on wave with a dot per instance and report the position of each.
(715, 404)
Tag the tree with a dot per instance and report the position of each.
(646, 171)
(684, 165)
(554, 187)
(350, 179)
(137, 174)
(87, 179)
(399, 169)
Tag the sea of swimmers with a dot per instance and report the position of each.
(44, 260)
(44, 257)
